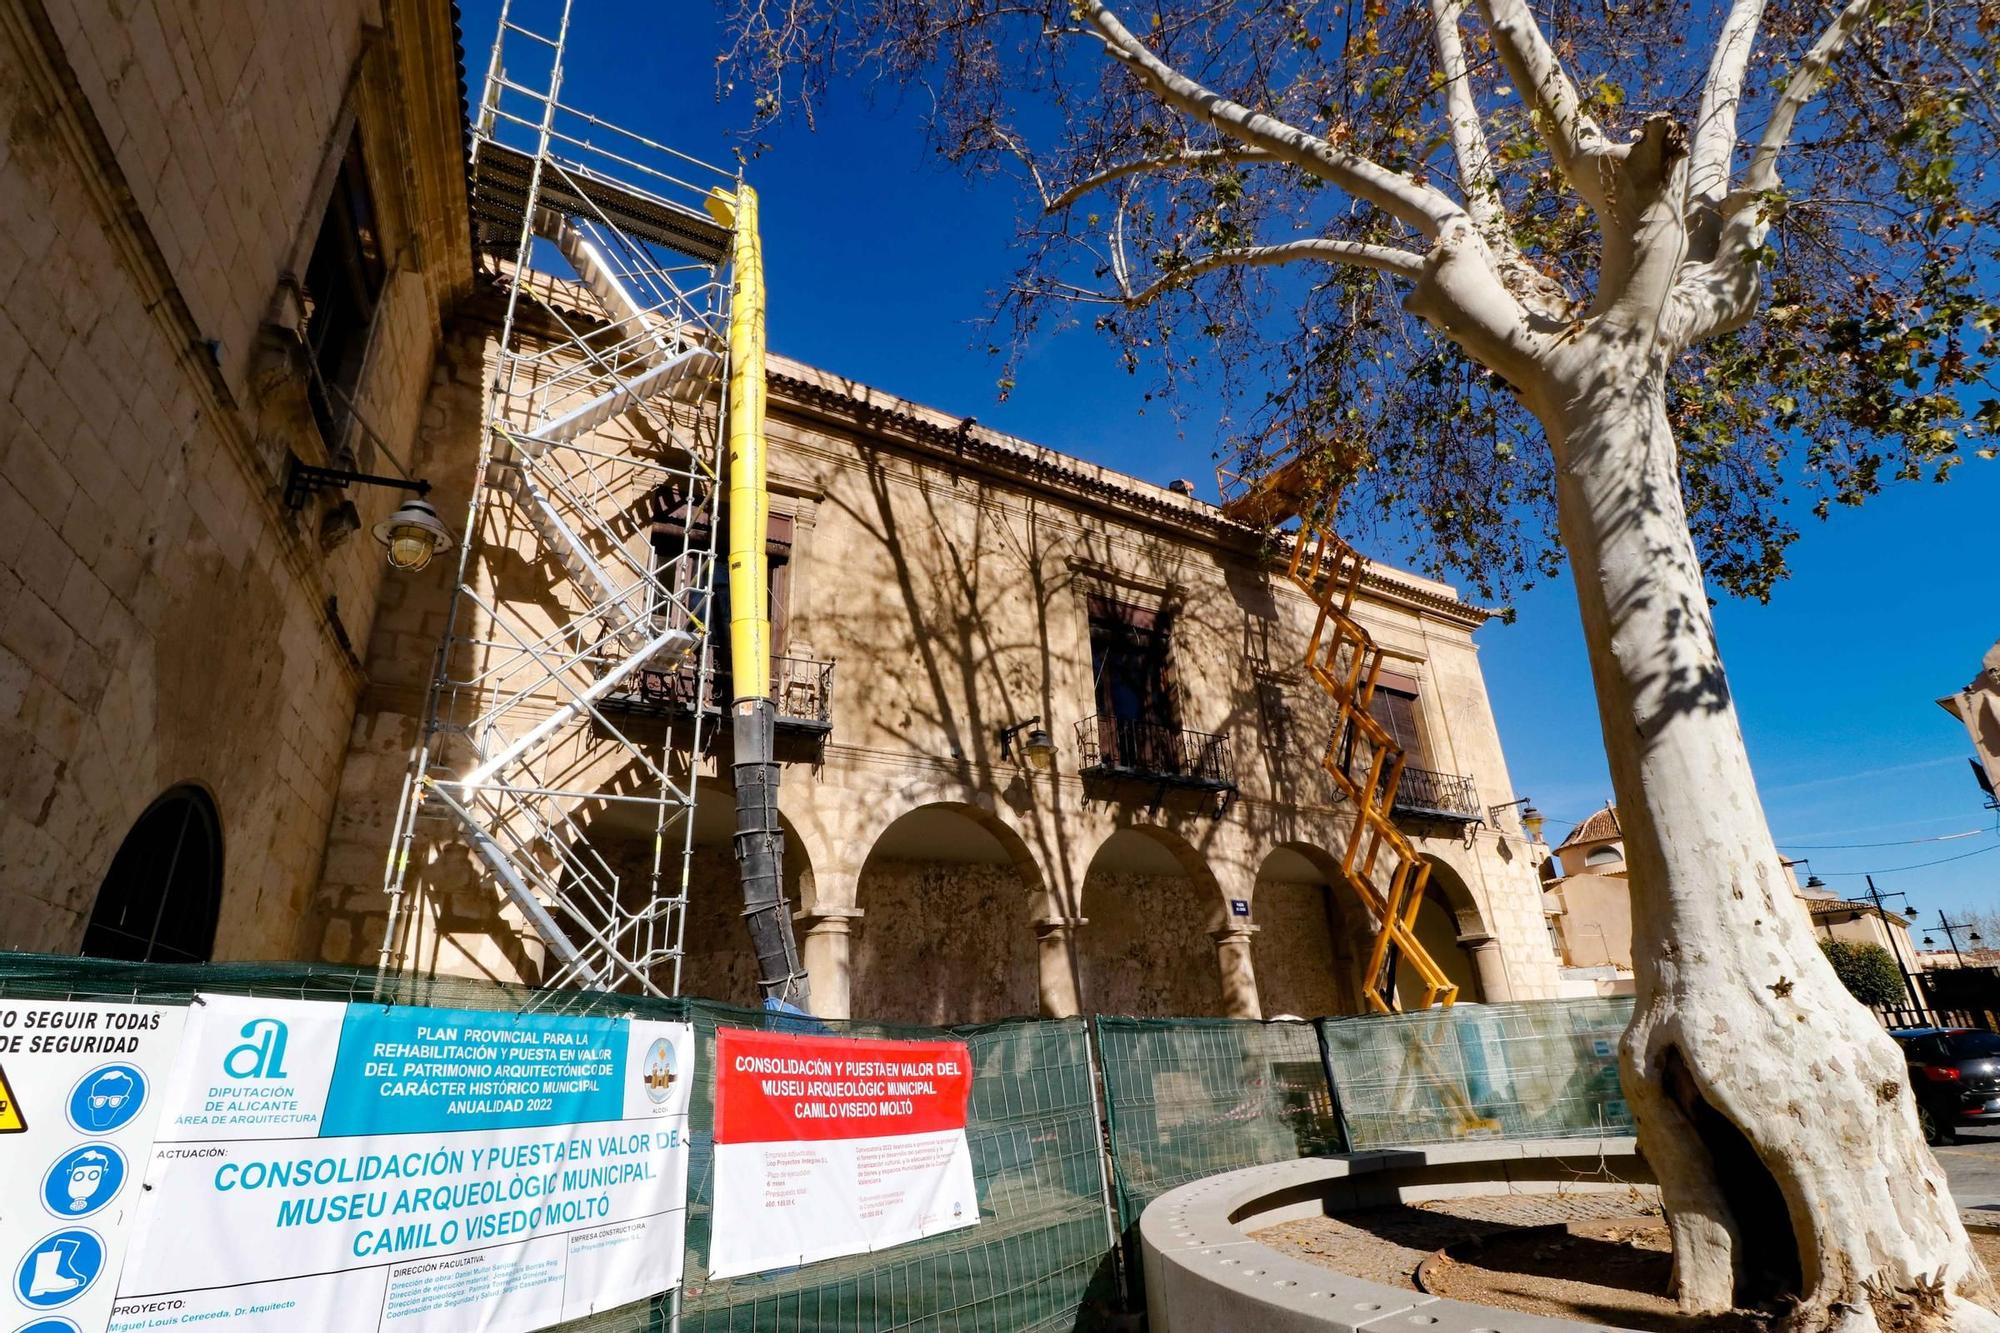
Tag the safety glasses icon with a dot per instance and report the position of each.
(100, 1100)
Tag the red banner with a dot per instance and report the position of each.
(776, 1087)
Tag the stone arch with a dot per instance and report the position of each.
(946, 895)
(1152, 904)
(1311, 934)
(161, 898)
(1449, 921)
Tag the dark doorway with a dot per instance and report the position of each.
(163, 894)
(1138, 706)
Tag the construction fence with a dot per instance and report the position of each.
(1073, 1127)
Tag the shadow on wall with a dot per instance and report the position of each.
(1152, 903)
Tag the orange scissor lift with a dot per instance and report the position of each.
(1364, 759)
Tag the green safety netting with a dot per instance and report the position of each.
(1188, 1097)
(1534, 1070)
(1039, 1259)
(1040, 1256)
(1182, 1099)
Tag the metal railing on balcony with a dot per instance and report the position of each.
(1150, 752)
(801, 687)
(1429, 795)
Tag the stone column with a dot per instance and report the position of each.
(824, 952)
(1489, 967)
(1056, 960)
(1239, 977)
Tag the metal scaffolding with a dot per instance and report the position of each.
(601, 422)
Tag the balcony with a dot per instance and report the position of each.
(801, 688)
(1422, 794)
(1161, 755)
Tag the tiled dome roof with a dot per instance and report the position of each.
(1600, 827)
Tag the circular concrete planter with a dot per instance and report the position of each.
(1205, 1275)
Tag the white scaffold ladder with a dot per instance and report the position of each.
(605, 396)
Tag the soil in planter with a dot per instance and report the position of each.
(1597, 1257)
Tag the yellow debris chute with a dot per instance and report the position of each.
(759, 838)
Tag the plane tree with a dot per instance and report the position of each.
(1625, 284)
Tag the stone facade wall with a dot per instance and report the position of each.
(952, 599)
(163, 619)
(942, 942)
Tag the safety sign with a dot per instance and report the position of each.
(827, 1146)
(79, 1096)
(356, 1166)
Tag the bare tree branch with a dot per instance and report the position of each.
(1193, 157)
(1476, 177)
(1721, 294)
(1382, 258)
(1762, 173)
(1428, 209)
(1574, 139)
(1713, 156)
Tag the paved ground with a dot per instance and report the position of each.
(1973, 1167)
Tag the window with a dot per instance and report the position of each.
(682, 524)
(1394, 705)
(1609, 854)
(343, 282)
(778, 576)
(1131, 661)
(1971, 1045)
(1137, 696)
(160, 899)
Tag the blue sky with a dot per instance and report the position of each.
(879, 261)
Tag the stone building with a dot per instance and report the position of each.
(212, 686)
(1589, 901)
(1978, 707)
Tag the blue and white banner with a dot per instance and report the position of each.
(351, 1166)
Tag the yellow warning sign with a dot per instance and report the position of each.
(11, 1119)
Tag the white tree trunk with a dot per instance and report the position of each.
(1774, 1110)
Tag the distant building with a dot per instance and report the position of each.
(1588, 899)
(1978, 707)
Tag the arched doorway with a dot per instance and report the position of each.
(1448, 912)
(162, 896)
(946, 896)
(1306, 941)
(1151, 902)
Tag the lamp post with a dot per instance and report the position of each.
(1951, 929)
(413, 534)
(1875, 896)
(1531, 818)
(1036, 747)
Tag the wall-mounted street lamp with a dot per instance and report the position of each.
(1037, 748)
(1531, 818)
(413, 534)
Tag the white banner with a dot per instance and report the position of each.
(827, 1146)
(80, 1088)
(351, 1167)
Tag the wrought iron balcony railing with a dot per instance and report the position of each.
(1429, 795)
(801, 688)
(1150, 752)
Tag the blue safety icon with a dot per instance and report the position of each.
(106, 1099)
(56, 1324)
(60, 1268)
(83, 1180)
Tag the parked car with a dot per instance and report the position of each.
(1955, 1073)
